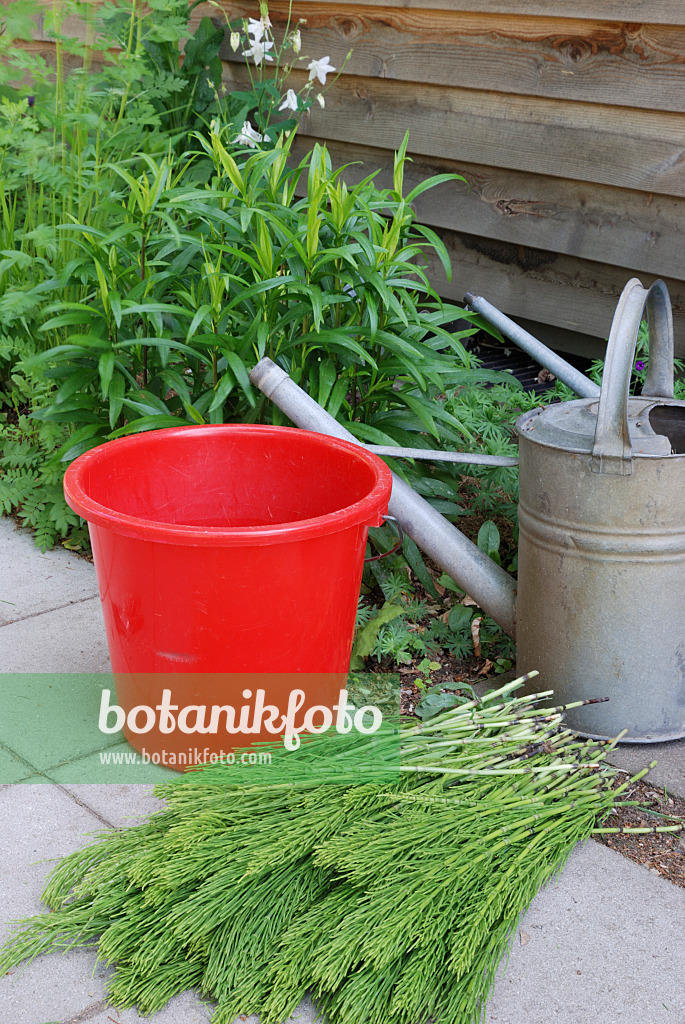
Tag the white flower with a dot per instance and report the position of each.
(296, 40)
(319, 69)
(256, 28)
(290, 101)
(321, 101)
(235, 40)
(258, 50)
(248, 136)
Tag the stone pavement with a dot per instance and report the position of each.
(604, 943)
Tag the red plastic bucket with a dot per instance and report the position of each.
(227, 551)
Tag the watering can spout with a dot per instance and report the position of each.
(552, 361)
(493, 589)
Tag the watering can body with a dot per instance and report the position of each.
(600, 609)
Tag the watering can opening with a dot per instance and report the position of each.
(669, 421)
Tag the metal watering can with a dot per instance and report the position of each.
(600, 608)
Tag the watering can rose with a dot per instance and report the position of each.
(249, 719)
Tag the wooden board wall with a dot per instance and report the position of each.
(567, 121)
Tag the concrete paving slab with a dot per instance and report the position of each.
(59, 990)
(13, 768)
(604, 944)
(68, 639)
(32, 581)
(670, 767)
(49, 718)
(112, 766)
(120, 805)
(41, 824)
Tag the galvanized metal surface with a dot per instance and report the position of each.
(460, 458)
(601, 603)
(552, 361)
(612, 451)
(486, 582)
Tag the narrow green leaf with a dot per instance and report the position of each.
(116, 391)
(239, 369)
(106, 369)
(223, 390)
(327, 376)
(489, 540)
(146, 423)
(417, 566)
(337, 396)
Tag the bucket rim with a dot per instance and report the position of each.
(367, 511)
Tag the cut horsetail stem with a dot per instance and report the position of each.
(392, 901)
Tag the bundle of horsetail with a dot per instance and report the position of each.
(391, 900)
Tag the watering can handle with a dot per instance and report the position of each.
(612, 451)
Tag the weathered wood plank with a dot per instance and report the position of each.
(661, 12)
(600, 62)
(616, 146)
(527, 280)
(578, 295)
(635, 230)
(563, 291)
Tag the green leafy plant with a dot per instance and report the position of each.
(189, 284)
(367, 634)
(443, 698)
(84, 159)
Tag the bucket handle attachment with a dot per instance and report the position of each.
(396, 548)
(612, 451)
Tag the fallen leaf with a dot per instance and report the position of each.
(475, 634)
(486, 667)
(544, 376)
(468, 601)
(524, 937)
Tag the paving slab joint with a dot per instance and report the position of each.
(87, 807)
(47, 611)
(90, 1011)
